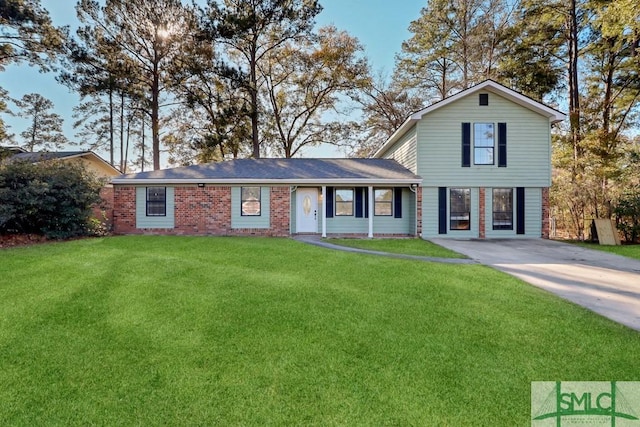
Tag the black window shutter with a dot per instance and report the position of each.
(466, 145)
(520, 210)
(502, 145)
(397, 202)
(365, 194)
(442, 210)
(329, 212)
(359, 206)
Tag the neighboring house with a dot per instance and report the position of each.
(91, 161)
(475, 165)
(485, 158)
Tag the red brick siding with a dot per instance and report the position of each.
(104, 210)
(201, 211)
(545, 213)
(419, 212)
(481, 213)
(124, 209)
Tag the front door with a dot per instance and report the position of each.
(307, 210)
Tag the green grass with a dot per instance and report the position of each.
(631, 251)
(229, 331)
(399, 246)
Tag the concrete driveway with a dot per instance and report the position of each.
(605, 283)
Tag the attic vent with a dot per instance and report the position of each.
(484, 99)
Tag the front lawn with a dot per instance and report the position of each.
(238, 331)
(631, 251)
(414, 246)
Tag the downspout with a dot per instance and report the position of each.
(414, 190)
(291, 207)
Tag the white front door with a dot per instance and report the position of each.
(307, 210)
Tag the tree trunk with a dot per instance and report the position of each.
(253, 93)
(574, 90)
(155, 116)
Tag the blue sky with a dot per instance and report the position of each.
(380, 25)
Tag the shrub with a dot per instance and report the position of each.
(53, 199)
(627, 214)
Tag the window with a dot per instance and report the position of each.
(460, 210)
(156, 201)
(484, 99)
(250, 201)
(503, 209)
(383, 202)
(344, 202)
(483, 143)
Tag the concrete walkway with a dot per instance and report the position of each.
(317, 241)
(605, 283)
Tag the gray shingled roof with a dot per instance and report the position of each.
(281, 170)
(42, 156)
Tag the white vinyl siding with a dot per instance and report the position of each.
(144, 221)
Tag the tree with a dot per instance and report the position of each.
(49, 198)
(27, 34)
(303, 84)
(45, 130)
(385, 106)
(5, 136)
(249, 30)
(455, 44)
(148, 39)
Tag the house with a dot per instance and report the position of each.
(274, 197)
(91, 161)
(475, 165)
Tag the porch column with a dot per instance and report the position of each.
(324, 211)
(370, 212)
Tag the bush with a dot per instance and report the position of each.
(53, 199)
(628, 216)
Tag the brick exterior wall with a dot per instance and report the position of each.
(124, 210)
(546, 213)
(481, 212)
(280, 202)
(201, 211)
(419, 211)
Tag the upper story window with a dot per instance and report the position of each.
(344, 202)
(483, 99)
(460, 209)
(156, 201)
(383, 202)
(483, 143)
(251, 203)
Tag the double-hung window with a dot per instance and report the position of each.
(483, 143)
(250, 203)
(460, 209)
(344, 201)
(503, 208)
(383, 202)
(156, 201)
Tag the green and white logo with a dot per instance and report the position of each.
(591, 403)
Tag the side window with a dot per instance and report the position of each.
(344, 202)
(460, 209)
(383, 202)
(503, 208)
(483, 143)
(250, 201)
(156, 201)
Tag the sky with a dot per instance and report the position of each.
(380, 25)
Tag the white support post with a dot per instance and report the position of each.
(370, 212)
(324, 211)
